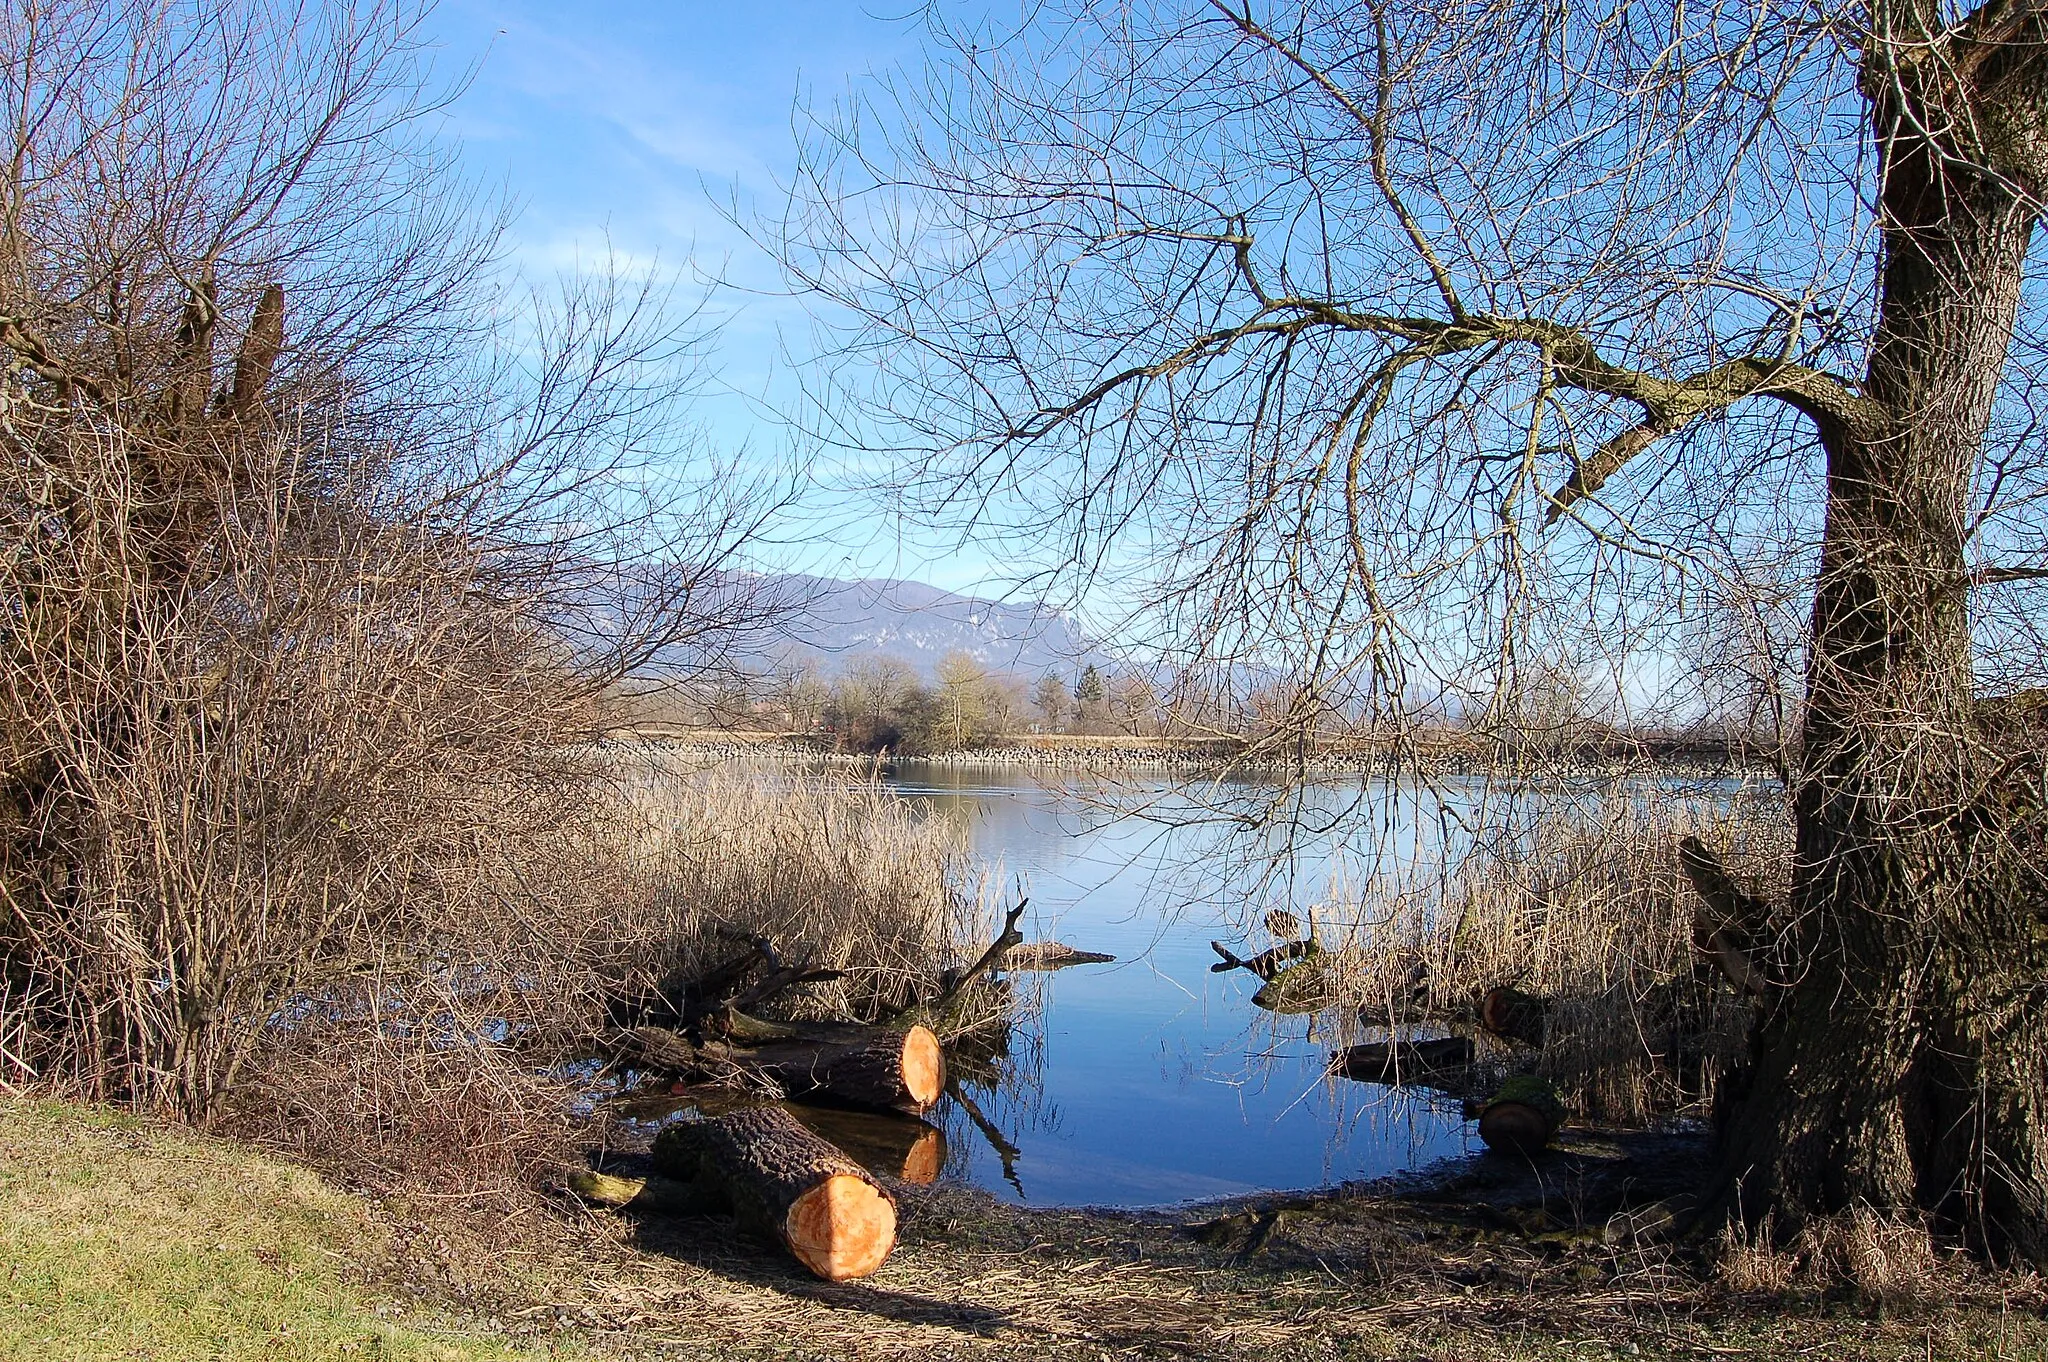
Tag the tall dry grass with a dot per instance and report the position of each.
(830, 867)
(468, 1076)
(1584, 904)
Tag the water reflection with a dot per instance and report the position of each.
(1153, 1080)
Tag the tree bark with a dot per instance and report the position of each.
(1906, 1067)
(891, 1070)
(787, 1184)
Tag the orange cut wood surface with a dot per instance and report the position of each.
(841, 1229)
(924, 1067)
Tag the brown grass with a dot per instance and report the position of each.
(1589, 909)
(464, 1079)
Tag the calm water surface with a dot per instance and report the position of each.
(1152, 1080)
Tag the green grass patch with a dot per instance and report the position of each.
(122, 1239)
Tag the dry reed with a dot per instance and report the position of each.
(1584, 905)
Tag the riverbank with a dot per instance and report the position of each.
(1449, 754)
(125, 1238)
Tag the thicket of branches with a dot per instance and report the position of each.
(1405, 352)
(310, 562)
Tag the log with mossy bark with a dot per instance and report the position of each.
(786, 1184)
(873, 1067)
(1300, 988)
(653, 1195)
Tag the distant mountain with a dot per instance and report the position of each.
(833, 624)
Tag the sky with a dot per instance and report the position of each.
(619, 131)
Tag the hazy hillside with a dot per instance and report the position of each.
(832, 624)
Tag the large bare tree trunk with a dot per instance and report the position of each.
(1906, 1067)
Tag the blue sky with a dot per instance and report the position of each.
(619, 129)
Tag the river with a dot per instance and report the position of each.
(1153, 1080)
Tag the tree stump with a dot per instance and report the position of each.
(1515, 1015)
(1521, 1117)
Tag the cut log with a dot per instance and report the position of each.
(1522, 1116)
(1414, 1061)
(902, 1070)
(1515, 1015)
(905, 1070)
(789, 1185)
(890, 1146)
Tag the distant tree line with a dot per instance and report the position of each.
(882, 704)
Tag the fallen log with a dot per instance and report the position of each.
(1522, 1116)
(1410, 1061)
(1302, 987)
(1050, 955)
(899, 1147)
(787, 1184)
(1515, 1015)
(1267, 964)
(904, 1070)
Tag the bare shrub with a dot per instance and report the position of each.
(311, 567)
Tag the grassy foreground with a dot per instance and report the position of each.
(122, 1239)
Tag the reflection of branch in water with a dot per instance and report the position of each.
(1005, 1151)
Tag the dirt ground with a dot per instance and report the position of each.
(1565, 1256)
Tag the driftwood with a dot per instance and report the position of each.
(1416, 1062)
(1729, 922)
(940, 1009)
(1510, 1013)
(787, 1184)
(1301, 987)
(1268, 964)
(779, 978)
(1522, 1116)
(1050, 955)
(700, 1003)
(876, 1068)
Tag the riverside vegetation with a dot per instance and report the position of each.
(462, 1243)
(309, 860)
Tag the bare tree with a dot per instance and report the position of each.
(1401, 345)
(311, 567)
